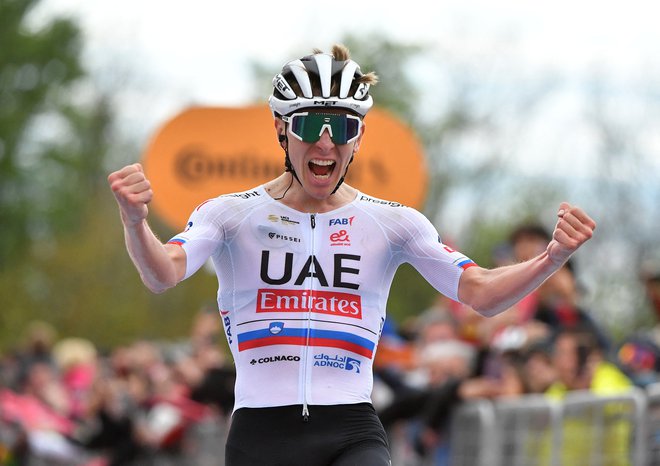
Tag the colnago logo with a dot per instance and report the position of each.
(271, 359)
(341, 221)
(322, 302)
(337, 362)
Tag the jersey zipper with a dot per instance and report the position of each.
(305, 409)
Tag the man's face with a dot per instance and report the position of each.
(565, 360)
(540, 372)
(528, 246)
(320, 165)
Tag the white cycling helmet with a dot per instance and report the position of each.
(333, 80)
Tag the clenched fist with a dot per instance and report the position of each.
(574, 227)
(133, 192)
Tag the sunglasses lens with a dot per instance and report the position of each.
(309, 127)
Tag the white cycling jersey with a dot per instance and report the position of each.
(303, 296)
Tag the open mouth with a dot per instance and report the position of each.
(321, 169)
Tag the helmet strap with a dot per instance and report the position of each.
(341, 180)
(288, 167)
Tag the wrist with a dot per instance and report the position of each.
(551, 263)
(132, 224)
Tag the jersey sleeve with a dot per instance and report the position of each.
(439, 264)
(202, 236)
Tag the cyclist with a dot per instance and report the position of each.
(304, 265)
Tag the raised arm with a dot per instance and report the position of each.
(490, 292)
(161, 266)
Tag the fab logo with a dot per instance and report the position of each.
(341, 221)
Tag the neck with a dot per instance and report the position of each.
(288, 191)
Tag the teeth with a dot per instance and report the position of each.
(322, 162)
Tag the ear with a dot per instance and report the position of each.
(358, 141)
(280, 129)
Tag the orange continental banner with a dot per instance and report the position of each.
(207, 151)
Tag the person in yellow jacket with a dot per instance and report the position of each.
(603, 438)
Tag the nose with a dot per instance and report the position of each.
(325, 142)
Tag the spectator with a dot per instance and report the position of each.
(559, 306)
(639, 354)
(581, 364)
(38, 340)
(539, 374)
(76, 362)
(425, 398)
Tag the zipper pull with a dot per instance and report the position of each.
(305, 413)
(313, 219)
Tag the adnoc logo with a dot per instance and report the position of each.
(337, 362)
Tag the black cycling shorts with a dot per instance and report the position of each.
(340, 435)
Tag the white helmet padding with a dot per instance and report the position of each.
(320, 70)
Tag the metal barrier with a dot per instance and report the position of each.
(527, 431)
(653, 425)
(581, 430)
(605, 431)
(472, 434)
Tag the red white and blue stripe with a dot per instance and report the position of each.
(298, 336)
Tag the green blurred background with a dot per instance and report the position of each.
(510, 129)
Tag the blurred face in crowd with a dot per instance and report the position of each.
(437, 331)
(565, 360)
(539, 372)
(528, 246)
(574, 360)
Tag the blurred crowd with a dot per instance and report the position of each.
(65, 402)
(68, 402)
(547, 345)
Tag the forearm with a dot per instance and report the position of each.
(157, 268)
(490, 292)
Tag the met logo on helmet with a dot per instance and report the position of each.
(325, 103)
(280, 84)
